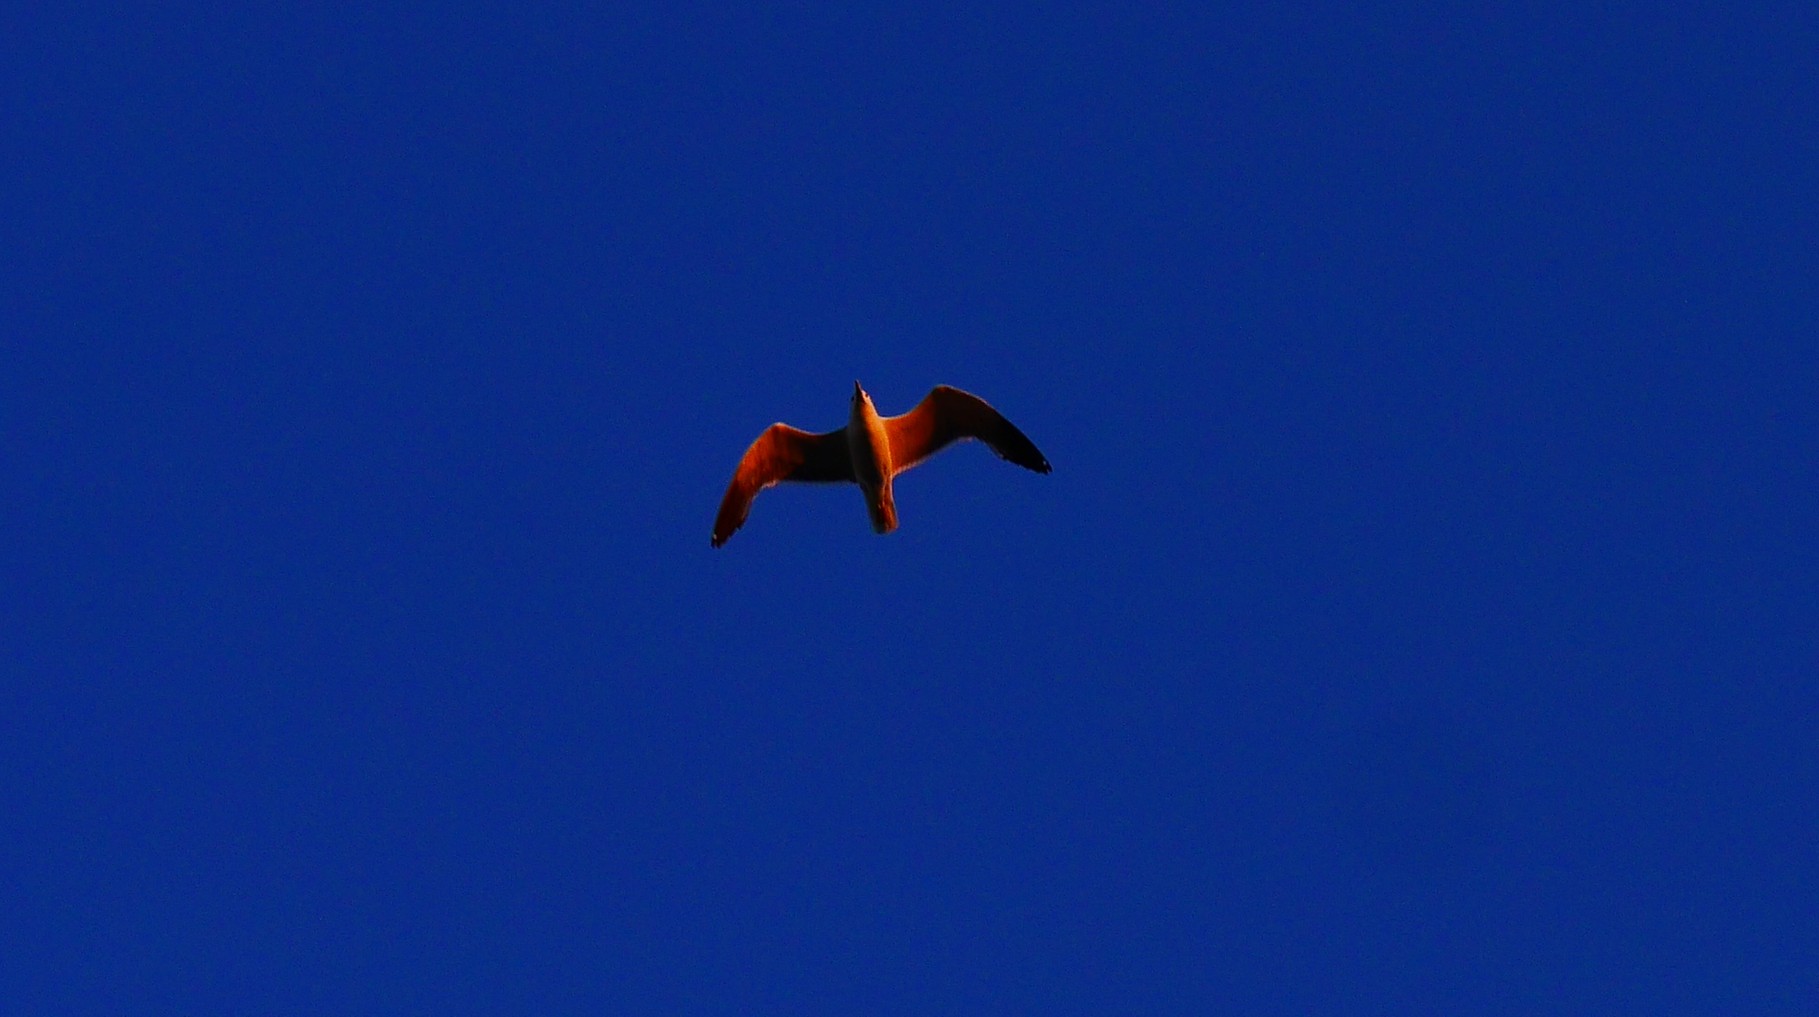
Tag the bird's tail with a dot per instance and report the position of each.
(883, 509)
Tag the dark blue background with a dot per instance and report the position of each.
(1420, 616)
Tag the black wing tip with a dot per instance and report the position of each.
(1028, 458)
(1032, 457)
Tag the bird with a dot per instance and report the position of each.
(870, 451)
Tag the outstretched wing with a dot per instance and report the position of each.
(950, 415)
(781, 453)
(947, 415)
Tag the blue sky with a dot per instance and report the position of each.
(1419, 617)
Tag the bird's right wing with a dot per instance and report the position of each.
(781, 453)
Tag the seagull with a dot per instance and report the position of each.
(870, 451)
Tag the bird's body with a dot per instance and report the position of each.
(870, 451)
(868, 444)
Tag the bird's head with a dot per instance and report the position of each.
(860, 397)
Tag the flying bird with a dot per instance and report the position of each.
(870, 451)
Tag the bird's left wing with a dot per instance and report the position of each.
(947, 415)
(781, 453)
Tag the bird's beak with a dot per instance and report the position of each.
(857, 391)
